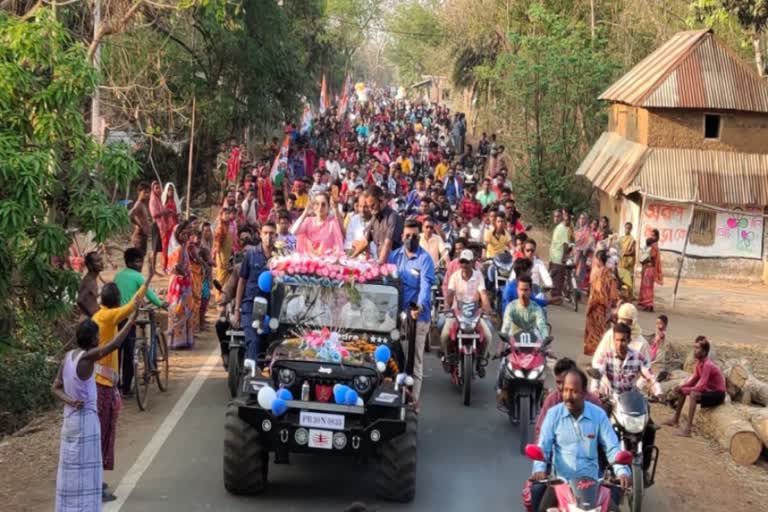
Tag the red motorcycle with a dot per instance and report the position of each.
(466, 346)
(583, 494)
(522, 381)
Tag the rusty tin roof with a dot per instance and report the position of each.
(616, 165)
(692, 70)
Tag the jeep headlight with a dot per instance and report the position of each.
(362, 384)
(286, 376)
(534, 374)
(394, 335)
(633, 424)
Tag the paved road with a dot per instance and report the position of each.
(467, 456)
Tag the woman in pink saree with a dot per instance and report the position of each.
(264, 194)
(584, 244)
(319, 233)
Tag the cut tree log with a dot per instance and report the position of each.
(742, 385)
(676, 378)
(758, 418)
(726, 425)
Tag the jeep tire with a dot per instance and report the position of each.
(246, 461)
(396, 468)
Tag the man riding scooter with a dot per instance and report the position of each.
(467, 285)
(570, 436)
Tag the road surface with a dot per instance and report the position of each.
(468, 456)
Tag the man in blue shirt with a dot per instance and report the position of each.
(254, 263)
(417, 273)
(569, 439)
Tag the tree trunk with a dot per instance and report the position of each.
(757, 44)
(726, 425)
(742, 385)
(758, 418)
(676, 378)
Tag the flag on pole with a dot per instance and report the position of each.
(306, 119)
(344, 103)
(324, 100)
(280, 165)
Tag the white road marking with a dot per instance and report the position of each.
(132, 477)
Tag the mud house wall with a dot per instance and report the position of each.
(629, 122)
(744, 132)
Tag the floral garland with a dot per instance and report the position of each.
(327, 346)
(328, 271)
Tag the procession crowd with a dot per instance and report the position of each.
(384, 179)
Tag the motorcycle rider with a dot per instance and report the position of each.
(524, 314)
(522, 266)
(468, 285)
(569, 438)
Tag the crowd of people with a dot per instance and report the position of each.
(389, 180)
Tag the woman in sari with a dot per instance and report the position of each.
(603, 296)
(264, 195)
(172, 204)
(651, 275)
(319, 233)
(157, 212)
(222, 246)
(180, 300)
(627, 258)
(197, 273)
(584, 244)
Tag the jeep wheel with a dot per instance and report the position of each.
(396, 471)
(246, 461)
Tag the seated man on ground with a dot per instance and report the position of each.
(705, 387)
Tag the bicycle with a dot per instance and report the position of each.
(150, 357)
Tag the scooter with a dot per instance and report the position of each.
(582, 494)
(522, 378)
(468, 343)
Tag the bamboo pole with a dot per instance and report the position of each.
(191, 152)
(682, 257)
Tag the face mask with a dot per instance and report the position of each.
(413, 243)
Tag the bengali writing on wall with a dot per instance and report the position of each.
(734, 234)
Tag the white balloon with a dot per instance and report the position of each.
(381, 366)
(266, 396)
(360, 401)
(400, 379)
(408, 380)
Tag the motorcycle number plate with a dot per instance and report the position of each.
(316, 419)
(320, 439)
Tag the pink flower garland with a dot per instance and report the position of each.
(331, 267)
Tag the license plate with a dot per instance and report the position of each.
(316, 419)
(320, 439)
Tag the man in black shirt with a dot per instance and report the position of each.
(385, 230)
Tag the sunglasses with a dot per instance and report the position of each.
(465, 262)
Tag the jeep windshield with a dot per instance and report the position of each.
(370, 307)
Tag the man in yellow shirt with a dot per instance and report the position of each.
(406, 164)
(498, 240)
(110, 314)
(302, 197)
(441, 169)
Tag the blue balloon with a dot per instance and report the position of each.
(265, 324)
(279, 407)
(340, 394)
(265, 281)
(350, 398)
(382, 354)
(284, 394)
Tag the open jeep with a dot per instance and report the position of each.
(378, 427)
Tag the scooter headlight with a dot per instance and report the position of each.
(534, 374)
(633, 424)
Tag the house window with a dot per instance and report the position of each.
(703, 227)
(711, 126)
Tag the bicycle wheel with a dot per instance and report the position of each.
(162, 363)
(141, 373)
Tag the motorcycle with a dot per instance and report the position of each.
(521, 381)
(437, 301)
(571, 291)
(582, 494)
(630, 418)
(232, 342)
(468, 344)
(498, 274)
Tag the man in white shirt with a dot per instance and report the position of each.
(539, 273)
(250, 208)
(357, 222)
(467, 285)
(332, 165)
(318, 185)
(433, 243)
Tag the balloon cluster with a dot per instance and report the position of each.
(344, 395)
(381, 355)
(277, 401)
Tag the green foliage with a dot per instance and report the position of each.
(26, 383)
(52, 173)
(550, 84)
(415, 31)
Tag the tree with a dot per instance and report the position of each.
(53, 175)
(415, 35)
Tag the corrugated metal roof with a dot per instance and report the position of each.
(715, 177)
(615, 164)
(692, 70)
(612, 163)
